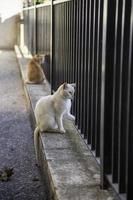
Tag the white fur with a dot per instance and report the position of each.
(51, 109)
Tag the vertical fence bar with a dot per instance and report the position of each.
(95, 74)
(74, 49)
(124, 89)
(85, 80)
(61, 77)
(91, 52)
(92, 98)
(121, 169)
(38, 30)
(56, 63)
(63, 41)
(51, 46)
(67, 43)
(79, 78)
(61, 44)
(107, 85)
(35, 30)
(105, 10)
(76, 60)
(28, 30)
(80, 66)
(74, 39)
(65, 13)
(82, 114)
(129, 168)
(88, 75)
(115, 101)
(44, 32)
(65, 19)
(99, 66)
(71, 42)
(98, 79)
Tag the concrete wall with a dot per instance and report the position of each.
(9, 32)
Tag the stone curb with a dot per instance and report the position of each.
(67, 165)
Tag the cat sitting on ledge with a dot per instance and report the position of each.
(51, 109)
(35, 74)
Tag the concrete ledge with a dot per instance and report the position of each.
(67, 165)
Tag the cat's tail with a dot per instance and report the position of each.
(36, 143)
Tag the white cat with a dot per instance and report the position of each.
(51, 109)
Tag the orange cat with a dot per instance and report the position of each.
(35, 72)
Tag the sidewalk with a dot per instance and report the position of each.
(16, 136)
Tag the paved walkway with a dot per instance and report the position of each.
(16, 136)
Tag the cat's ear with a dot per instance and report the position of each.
(73, 85)
(65, 85)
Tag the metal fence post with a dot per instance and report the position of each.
(107, 89)
(35, 29)
(105, 7)
(129, 152)
(51, 46)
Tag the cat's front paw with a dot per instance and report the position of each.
(62, 130)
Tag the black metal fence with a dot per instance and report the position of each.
(90, 43)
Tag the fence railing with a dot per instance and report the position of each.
(90, 43)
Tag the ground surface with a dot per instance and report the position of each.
(16, 136)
